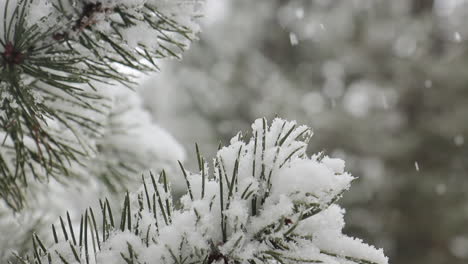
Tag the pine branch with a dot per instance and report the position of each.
(53, 56)
(199, 229)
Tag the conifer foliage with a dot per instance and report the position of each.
(55, 56)
(262, 201)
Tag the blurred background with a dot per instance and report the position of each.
(383, 84)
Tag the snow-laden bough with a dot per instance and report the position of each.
(263, 200)
(57, 59)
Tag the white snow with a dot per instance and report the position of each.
(223, 224)
(293, 39)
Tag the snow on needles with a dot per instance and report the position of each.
(59, 63)
(151, 21)
(263, 200)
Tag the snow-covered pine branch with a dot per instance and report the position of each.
(263, 201)
(128, 146)
(54, 57)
